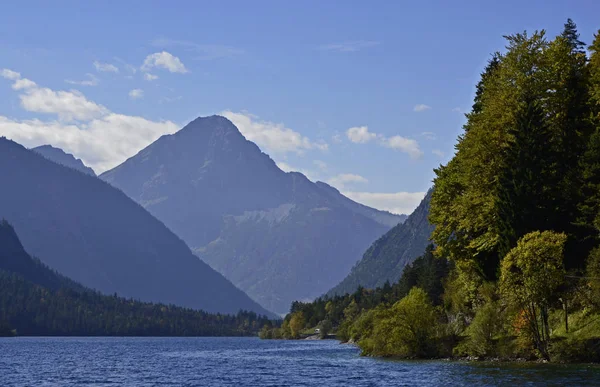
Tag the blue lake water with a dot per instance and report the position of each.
(250, 362)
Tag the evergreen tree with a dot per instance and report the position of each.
(520, 202)
(567, 106)
(572, 36)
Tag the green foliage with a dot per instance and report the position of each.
(520, 206)
(407, 329)
(530, 274)
(297, 323)
(517, 169)
(483, 332)
(425, 272)
(325, 328)
(591, 281)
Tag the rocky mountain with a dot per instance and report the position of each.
(61, 157)
(94, 234)
(386, 258)
(276, 235)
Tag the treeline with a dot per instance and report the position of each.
(517, 217)
(339, 313)
(36, 301)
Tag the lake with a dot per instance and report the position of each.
(104, 361)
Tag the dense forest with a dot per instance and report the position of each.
(517, 225)
(35, 300)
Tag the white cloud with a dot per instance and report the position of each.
(403, 144)
(340, 181)
(457, 109)
(20, 83)
(101, 138)
(429, 135)
(204, 51)
(164, 60)
(438, 153)
(101, 143)
(10, 75)
(136, 94)
(421, 108)
(23, 83)
(106, 67)
(91, 81)
(67, 105)
(150, 77)
(272, 137)
(336, 138)
(397, 202)
(128, 67)
(360, 134)
(351, 46)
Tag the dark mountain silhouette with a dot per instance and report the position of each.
(276, 235)
(94, 234)
(61, 157)
(386, 258)
(35, 300)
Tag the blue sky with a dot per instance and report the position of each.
(368, 96)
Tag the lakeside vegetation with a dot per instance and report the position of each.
(37, 301)
(516, 272)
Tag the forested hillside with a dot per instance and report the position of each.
(517, 220)
(387, 257)
(34, 300)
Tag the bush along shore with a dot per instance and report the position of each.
(515, 272)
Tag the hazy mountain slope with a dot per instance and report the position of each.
(61, 157)
(94, 234)
(276, 235)
(35, 300)
(383, 217)
(386, 258)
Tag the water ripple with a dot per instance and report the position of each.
(248, 362)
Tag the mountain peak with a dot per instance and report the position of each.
(212, 124)
(61, 157)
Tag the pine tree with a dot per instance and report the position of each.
(568, 109)
(521, 205)
(572, 36)
(589, 206)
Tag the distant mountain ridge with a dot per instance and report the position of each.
(386, 258)
(61, 157)
(94, 234)
(35, 300)
(276, 235)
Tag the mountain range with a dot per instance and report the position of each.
(35, 300)
(94, 234)
(387, 257)
(276, 235)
